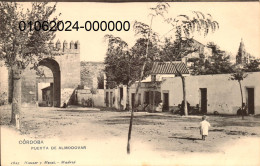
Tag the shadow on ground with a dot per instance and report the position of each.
(186, 138)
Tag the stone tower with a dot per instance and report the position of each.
(242, 56)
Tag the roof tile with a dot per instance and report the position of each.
(169, 68)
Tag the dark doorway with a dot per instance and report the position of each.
(139, 99)
(56, 90)
(146, 101)
(107, 99)
(157, 97)
(121, 93)
(121, 105)
(111, 99)
(165, 101)
(133, 100)
(203, 100)
(251, 100)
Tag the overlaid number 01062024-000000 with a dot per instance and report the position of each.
(70, 26)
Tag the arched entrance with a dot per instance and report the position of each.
(56, 86)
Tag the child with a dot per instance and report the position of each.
(204, 127)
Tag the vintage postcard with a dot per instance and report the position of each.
(130, 83)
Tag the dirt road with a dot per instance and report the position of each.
(157, 138)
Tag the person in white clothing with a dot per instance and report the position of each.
(159, 106)
(204, 127)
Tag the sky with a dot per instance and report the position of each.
(236, 20)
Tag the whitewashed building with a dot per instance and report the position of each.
(209, 93)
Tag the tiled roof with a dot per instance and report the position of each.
(169, 68)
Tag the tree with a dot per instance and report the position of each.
(187, 26)
(139, 57)
(119, 67)
(184, 26)
(145, 31)
(123, 65)
(239, 75)
(199, 66)
(174, 51)
(218, 63)
(253, 66)
(84, 73)
(126, 66)
(19, 49)
(149, 40)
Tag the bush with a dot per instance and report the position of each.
(88, 103)
(3, 98)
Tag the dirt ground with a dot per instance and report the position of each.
(165, 134)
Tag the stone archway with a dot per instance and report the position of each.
(55, 68)
(63, 76)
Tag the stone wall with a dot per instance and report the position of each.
(84, 95)
(89, 73)
(66, 75)
(71, 76)
(116, 97)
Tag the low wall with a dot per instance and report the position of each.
(85, 95)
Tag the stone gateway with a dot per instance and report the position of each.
(59, 85)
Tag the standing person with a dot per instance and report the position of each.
(204, 127)
(244, 109)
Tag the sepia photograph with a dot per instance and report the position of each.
(130, 83)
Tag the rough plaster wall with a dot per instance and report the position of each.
(66, 95)
(99, 98)
(116, 95)
(109, 101)
(124, 97)
(253, 82)
(28, 86)
(223, 94)
(144, 88)
(70, 70)
(93, 68)
(175, 90)
(70, 75)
